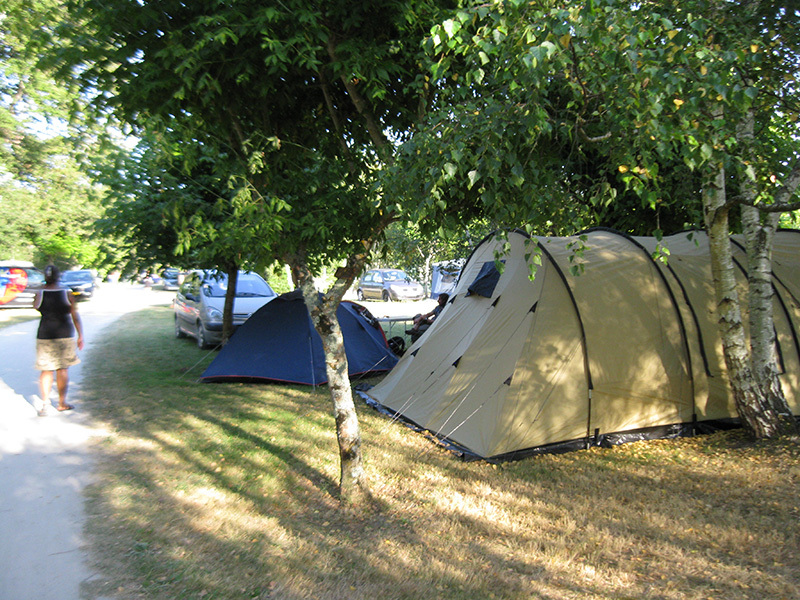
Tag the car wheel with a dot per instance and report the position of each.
(387, 297)
(178, 331)
(202, 337)
(360, 295)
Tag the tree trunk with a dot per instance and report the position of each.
(230, 295)
(757, 415)
(759, 231)
(290, 278)
(353, 486)
(763, 345)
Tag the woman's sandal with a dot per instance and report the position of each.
(65, 407)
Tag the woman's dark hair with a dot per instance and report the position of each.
(51, 274)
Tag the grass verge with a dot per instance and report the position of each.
(13, 316)
(228, 491)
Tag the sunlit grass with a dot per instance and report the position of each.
(230, 491)
(14, 316)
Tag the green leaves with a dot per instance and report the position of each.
(630, 85)
(539, 54)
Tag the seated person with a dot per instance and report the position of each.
(422, 322)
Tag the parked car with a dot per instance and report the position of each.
(148, 279)
(169, 279)
(200, 301)
(19, 282)
(387, 285)
(80, 282)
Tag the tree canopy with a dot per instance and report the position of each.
(299, 104)
(545, 106)
(48, 202)
(302, 98)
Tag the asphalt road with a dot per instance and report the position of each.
(45, 462)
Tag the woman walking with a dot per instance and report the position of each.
(55, 340)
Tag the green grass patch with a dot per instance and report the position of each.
(14, 316)
(229, 491)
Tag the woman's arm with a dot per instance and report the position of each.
(76, 320)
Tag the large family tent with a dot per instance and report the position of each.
(625, 349)
(279, 343)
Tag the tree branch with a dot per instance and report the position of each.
(373, 127)
(337, 123)
(782, 201)
(789, 188)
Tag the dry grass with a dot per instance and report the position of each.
(13, 316)
(230, 491)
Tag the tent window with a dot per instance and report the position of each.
(486, 280)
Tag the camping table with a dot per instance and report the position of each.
(402, 323)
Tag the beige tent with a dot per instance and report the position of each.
(625, 350)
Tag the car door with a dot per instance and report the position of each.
(187, 303)
(376, 286)
(365, 284)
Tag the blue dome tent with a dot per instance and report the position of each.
(279, 343)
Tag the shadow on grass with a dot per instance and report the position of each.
(294, 464)
(229, 491)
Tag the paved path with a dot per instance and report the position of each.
(44, 461)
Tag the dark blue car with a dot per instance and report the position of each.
(81, 283)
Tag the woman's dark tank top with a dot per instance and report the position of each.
(56, 321)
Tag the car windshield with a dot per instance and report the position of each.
(247, 286)
(394, 276)
(76, 277)
(35, 277)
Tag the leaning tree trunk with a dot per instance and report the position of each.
(353, 486)
(758, 417)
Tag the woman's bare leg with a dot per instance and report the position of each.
(62, 383)
(45, 383)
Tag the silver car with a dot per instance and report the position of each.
(201, 299)
(388, 285)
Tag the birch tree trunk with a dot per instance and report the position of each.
(353, 484)
(759, 230)
(758, 417)
(759, 233)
